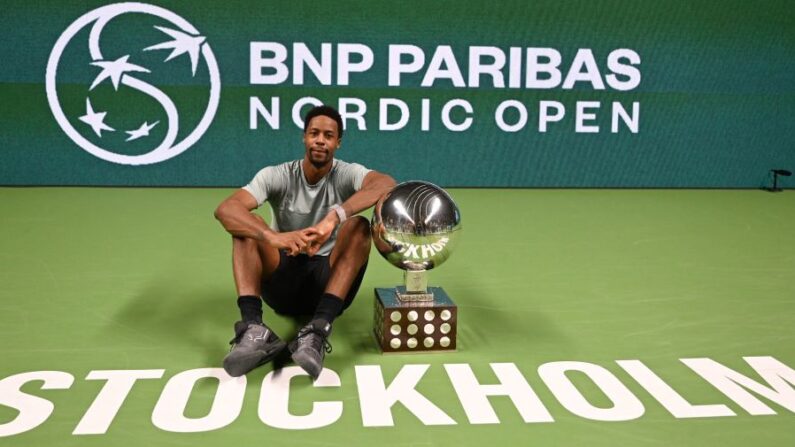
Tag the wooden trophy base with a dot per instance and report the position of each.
(402, 326)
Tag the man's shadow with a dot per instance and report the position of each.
(203, 318)
(167, 310)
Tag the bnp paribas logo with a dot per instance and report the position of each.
(133, 83)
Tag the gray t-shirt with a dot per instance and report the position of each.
(295, 203)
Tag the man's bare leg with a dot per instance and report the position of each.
(254, 342)
(349, 254)
(251, 261)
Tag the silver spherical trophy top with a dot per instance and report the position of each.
(416, 227)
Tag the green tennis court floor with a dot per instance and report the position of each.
(606, 317)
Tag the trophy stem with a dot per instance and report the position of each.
(416, 286)
(416, 281)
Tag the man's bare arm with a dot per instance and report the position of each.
(374, 186)
(235, 216)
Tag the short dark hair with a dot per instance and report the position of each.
(324, 110)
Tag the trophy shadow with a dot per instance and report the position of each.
(485, 322)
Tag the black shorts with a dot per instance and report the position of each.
(298, 283)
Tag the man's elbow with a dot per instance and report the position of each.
(221, 212)
(387, 183)
(382, 187)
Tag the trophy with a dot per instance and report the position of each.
(415, 227)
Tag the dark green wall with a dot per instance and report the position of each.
(716, 99)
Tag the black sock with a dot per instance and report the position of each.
(328, 308)
(250, 308)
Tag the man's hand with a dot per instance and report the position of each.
(321, 232)
(293, 242)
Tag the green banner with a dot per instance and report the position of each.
(460, 93)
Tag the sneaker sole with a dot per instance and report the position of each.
(308, 364)
(242, 363)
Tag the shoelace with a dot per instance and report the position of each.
(316, 343)
(238, 335)
(240, 331)
(235, 340)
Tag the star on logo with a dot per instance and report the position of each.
(114, 70)
(140, 132)
(95, 119)
(182, 43)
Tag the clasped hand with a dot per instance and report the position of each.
(308, 240)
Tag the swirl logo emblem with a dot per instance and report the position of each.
(126, 100)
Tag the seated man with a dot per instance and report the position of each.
(312, 258)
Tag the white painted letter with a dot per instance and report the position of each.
(257, 108)
(344, 64)
(396, 68)
(376, 400)
(425, 115)
(667, 396)
(581, 116)
(477, 67)
(515, 68)
(383, 114)
(33, 410)
(357, 114)
(169, 412)
(625, 405)
(464, 104)
(257, 63)
(630, 121)
(474, 396)
(534, 67)
(106, 405)
(615, 65)
(303, 56)
(543, 114)
(443, 55)
(584, 59)
(734, 385)
(298, 118)
(499, 116)
(274, 401)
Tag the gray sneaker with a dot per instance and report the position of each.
(310, 347)
(253, 345)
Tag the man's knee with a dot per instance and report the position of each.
(244, 244)
(248, 248)
(357, 230)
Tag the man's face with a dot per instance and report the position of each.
(321, 140)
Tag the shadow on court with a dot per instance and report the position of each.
(186, 317)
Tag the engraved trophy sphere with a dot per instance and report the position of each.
(415, 227)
